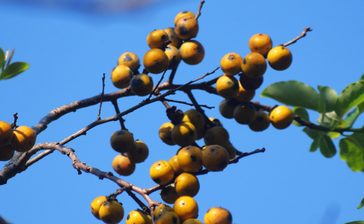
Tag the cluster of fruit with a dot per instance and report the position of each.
(250, 69)
(167, 48)
(20, 139)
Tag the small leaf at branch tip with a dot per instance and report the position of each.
(361, 205)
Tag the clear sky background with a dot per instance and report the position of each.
(69, 50)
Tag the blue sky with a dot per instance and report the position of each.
(69, 51)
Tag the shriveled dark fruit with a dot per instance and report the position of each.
(261, 121)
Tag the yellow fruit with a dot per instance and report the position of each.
(227, 86)
(169, 194)
(141, 84)
(169, 217)
(174, 40)
(5, 132)
(231, 63)
(174, 57)
(218, 215)
(260, 43)
(175, 165)
(186, 184)
(244, 95)
(215, 157)
(121, 76)
(216, 136)
(129, 59)
(192, 52)
(183, 14)
(281, 117)
(23, 138)
(111, 212)
(139, 153)
(192, 221)
(96, 204)
(254, 65)
(123, 165)
(138, 217)
(279, 58)
(165, 133)
(186, 28)
(190, 159)
(186, 207)
(244, 114)
(197, 119)
(122, 141)
(250, 83)
(6, 152)
(155, 61)
(160, 210)
(161, 172)
(227, 107)
(184, 134)
(157, 39)
(261, 121)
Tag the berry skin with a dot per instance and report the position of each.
(174, 57)
(227, 107)
(6, 152)
(138, 217)
(165, 133)
(227, 86)
(260, 43)
(186, 28)
(175, 165)
(192, 52)
(215, 157)
(281, 117)
(5, 132)
(218, 215)
(23, 138)
(123, 165)
(279, 58)
(184, 134)
(174, 40)
(122, 141)
(231, 63)
(190, 159)
(183, 14)
(111, 212)
(155, 61)
(169, 217)
(261, 121)
(161, 172)
(216, 136)
(141, 84)
(250, 83)
(157, 39)
(129, 59)
(244, 114)
(244, 95)
(139, 153)
(192, 221)
(197, 119)
(186, 207)
(254, 65)
(121, 76)
(96, 204)
(186, 184)
(169, 194)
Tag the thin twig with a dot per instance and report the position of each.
(15, 117)
(101, 97)
(117, 110)
(189, 104)
(199, 10)
(302, 35)
(172, 74)
(155, 90)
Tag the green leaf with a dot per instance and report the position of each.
(2, 58)
(352, 151)
(351, 118)
(350, 97)
(313, 134)
(14, 69)
(302, 113)
(327, 147)
(328, 98)
(293, 93)
(355, 222)
(361, 205)
(315, 144)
